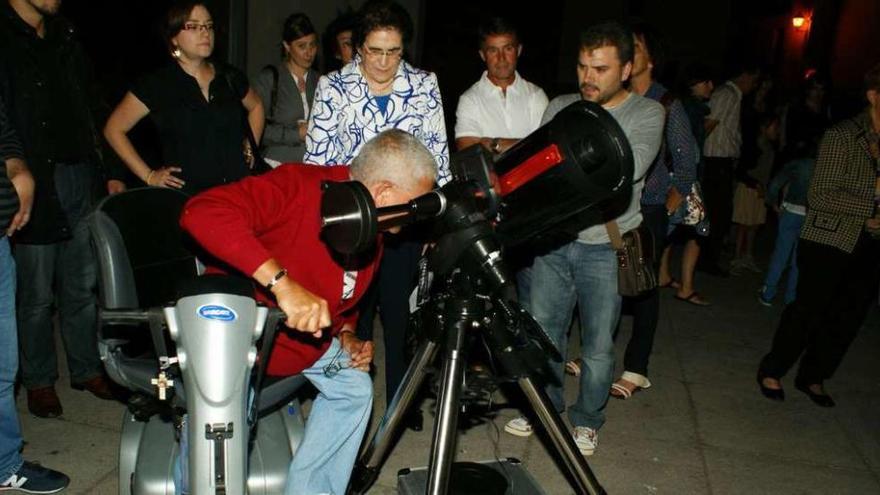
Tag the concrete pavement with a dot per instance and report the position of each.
(703, 428)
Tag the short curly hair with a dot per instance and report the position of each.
(378, 15)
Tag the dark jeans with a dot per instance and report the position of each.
(834, 293)
(718, 197)
(646, 307)
(391, 290)
(62, 274)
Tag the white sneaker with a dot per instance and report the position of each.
(520, 427)
(587, 439)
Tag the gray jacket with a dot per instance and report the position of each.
(281, 139)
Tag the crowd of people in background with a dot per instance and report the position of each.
(715, 165)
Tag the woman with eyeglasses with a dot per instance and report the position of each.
(378, 90)
(198, 106)
(287, 89)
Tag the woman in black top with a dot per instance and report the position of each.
(197, 107)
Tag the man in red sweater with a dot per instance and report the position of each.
(268, 227)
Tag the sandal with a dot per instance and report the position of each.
(672, 284)
(694, 298)
(573, 367)
(628, 384)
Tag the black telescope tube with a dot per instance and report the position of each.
(430, 205)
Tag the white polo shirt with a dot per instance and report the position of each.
(486, 111)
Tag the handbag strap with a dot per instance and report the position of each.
(667, 100)
(248, 132)
(614, 235)
(273, 95)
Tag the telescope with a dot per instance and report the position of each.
(572, 173)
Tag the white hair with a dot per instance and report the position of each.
(395, 156)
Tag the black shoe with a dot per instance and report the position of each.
(770, 393)
(99, 386)
(414, 420)
(33, 478)
(823, 400)
(43, 402)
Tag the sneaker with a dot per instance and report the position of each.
(762, 301)
(33, 478)
(587, 439)
(520, 427)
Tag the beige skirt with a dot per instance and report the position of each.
(748, 206)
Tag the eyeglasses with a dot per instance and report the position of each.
(375, 52)
(197, 27)
(336, 365)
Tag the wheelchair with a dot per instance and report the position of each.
(184, 343)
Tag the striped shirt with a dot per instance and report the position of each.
(10, 147)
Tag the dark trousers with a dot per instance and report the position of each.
(60, 275)
(834, 293)
(391, 290)
(646, 307)
(718, 197)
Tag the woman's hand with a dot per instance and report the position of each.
(164, 177)
(361, 351)
(872, 225)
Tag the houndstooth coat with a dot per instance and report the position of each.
(841, 195)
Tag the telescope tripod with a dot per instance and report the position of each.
(453, 313)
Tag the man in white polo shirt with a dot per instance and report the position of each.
(502, 107)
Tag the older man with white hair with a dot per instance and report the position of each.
(268, 228)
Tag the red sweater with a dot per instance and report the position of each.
(277, 215)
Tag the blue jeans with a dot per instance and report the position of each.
(784, 254)
(10, 431)
(586, 275)
(334, 430)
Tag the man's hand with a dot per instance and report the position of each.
(23, 182)
(115, 187)
(305, 311)
(361, 352)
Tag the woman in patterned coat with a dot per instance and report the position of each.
(376, 91)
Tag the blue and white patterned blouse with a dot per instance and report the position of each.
(345, 115)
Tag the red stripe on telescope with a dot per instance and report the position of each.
(536, 165)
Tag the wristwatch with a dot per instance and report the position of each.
(278, 276)
(495, 145)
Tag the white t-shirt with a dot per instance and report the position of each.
(484, 110)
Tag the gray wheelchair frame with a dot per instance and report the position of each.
(204, 342)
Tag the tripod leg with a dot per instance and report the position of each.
(562, 440)
(446, 424)
(367, 468)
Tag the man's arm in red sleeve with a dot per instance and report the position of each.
(226, 220)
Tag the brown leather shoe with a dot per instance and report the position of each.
(43, 402)
(98, 386)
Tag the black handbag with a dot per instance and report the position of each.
(250, 149)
